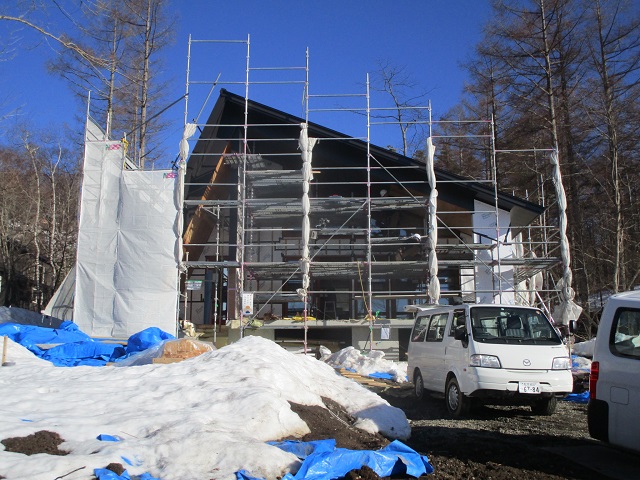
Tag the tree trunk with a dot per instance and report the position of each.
(148, 46)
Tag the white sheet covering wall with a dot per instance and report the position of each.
(126, 272)
(61, 303)
(306, 145)
(490, 278)
(433, 290)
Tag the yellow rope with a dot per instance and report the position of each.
(369, 316)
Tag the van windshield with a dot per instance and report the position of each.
(512, 325)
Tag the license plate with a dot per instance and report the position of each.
(529, 387)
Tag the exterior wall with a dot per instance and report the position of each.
(491, 279)
(390, 347)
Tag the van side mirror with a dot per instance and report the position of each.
(460, 333)
(573, 326)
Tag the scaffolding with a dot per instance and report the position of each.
(289, 231)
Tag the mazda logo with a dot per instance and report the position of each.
(526, 362)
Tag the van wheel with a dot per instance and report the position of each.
(418, 385)
(544, 406)
(458, 404)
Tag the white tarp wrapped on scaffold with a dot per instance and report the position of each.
(127, 264)
(433, 290)
(567, 309)
(306, 145)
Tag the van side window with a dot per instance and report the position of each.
(435, 333)
(624, 340)
(459, 320)
(420, 329)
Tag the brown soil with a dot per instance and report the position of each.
(43, 441)
(334, 422)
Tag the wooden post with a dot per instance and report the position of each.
(4, 350)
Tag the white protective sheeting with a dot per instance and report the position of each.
(126, 272)
(61, 303)
(187, 133)
(433, 290)
(521, 289)
(306, 145)
(568, 309)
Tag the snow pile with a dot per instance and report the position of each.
(17, 354)
(585, 349)
(368, 365)
(580, 364)
(205, 417)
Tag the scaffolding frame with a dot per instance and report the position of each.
(261, 215)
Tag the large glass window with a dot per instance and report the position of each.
(512, 325)
(459, 320)
(625, 333)
(420, 329)
(435, 332)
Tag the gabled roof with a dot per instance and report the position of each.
(232, 106)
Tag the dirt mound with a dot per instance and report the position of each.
(43, 441)
(334, 422)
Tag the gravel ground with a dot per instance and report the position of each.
(496, 442)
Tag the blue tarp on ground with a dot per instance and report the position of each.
(146, 338)
(73, 347)
(31, 335)
(322, 461)
(578, 397)
(106, 474)
(83, 353)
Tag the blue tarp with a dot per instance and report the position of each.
(30, 335)
(322, 461)
(383, 375)
(578, 397)
(304, 449)
(83, 353)
(104, 437)
(73, 347)
(146, 338)
(106, 474)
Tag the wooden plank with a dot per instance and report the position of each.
(372, 382)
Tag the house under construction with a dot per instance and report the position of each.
(307, 236)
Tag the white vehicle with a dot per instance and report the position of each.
(492, 353)
(614, 386)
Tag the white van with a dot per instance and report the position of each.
(494, 353)
(614, 386)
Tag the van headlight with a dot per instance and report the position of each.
(561, 363)
(487, 361)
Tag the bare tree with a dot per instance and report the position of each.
(38, 212)
(408, 104)
(615, 56)
(151, 32)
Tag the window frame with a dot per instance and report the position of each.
(420, 337)
(438, 325)
(613, 345)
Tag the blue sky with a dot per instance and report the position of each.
(346, 40)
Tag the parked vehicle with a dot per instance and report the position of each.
(490, 353)
(614, 386)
